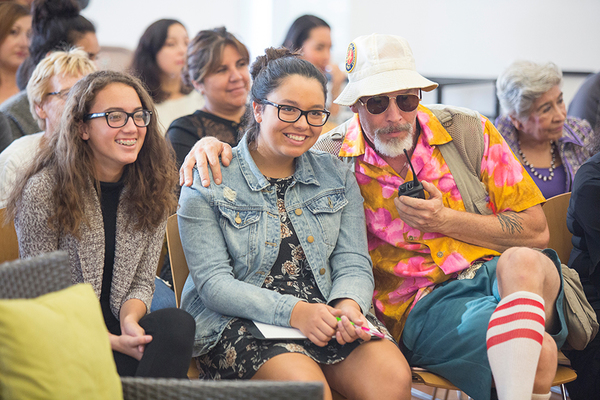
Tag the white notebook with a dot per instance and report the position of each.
(266, 331)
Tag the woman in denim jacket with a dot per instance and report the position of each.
(283, 242)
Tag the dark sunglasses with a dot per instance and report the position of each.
(378, 104)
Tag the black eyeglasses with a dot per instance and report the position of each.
(292, 114)
(378, 104)
(62, 94)
(118, 119)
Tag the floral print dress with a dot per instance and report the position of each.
(238, 354)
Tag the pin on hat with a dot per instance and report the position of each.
(379, 64)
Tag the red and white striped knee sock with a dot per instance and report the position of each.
(514, 341)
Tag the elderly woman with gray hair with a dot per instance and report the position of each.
(550, 145)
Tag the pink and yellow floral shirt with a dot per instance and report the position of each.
(406, 262)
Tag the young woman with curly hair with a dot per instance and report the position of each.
(102, 190)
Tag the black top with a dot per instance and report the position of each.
(109, 201)
(583, 220)
(184, 132)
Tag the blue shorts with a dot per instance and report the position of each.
(446, 330)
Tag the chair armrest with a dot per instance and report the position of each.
(175, 389)
(32, 277)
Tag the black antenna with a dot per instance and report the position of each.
(415, 180)
(414, 188)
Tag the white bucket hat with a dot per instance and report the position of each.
(380, 64)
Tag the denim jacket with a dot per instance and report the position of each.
(231, 236)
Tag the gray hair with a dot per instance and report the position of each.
(523, 83)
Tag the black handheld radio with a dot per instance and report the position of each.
(412, 188)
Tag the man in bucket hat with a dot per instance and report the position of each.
(451, 287)
(418, 245)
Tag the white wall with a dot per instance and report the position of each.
(450, 38)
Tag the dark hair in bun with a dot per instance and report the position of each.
(269, 70)
(55, 25)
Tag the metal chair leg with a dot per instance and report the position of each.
(563, 390)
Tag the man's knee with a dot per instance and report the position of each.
(523, 265)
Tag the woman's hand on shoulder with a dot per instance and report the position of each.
(351, 314)
(317, 321)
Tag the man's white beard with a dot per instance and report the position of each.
(394, 147)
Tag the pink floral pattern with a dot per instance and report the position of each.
(503, 166)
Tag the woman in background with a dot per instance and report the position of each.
(283, 242)
(217, 67)
(311, 37)
(158, 61)
(56, 25)
(550, 145)
(102, 190)
(15, 29)
(47, 90)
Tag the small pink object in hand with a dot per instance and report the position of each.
(372, 332)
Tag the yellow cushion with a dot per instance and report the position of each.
(56, 346)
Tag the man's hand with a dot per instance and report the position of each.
(498, 232)
(425, 215)
(206, 151)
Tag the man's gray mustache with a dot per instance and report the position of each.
(395, 128)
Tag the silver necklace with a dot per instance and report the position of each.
(532, 168)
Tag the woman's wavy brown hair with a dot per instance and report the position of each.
(205, 53)
(149, 182)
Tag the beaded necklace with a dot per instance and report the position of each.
(532, 168)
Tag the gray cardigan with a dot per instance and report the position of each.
(136, 252)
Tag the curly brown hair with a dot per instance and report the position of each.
(150, 180)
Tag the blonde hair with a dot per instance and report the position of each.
(71, 62)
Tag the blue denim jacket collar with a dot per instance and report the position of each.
(257, 181)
